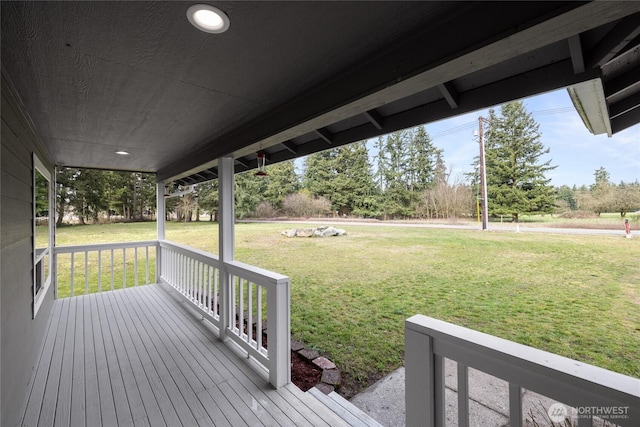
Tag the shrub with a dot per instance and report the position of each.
(303, 205)
(265, 210)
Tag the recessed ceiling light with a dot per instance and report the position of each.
(208, 18)
(122, 153)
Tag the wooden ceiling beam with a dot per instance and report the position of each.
(450, 94)
(325, 135)
(289, 145)
(615, 41)
(375, 118)
(577, 57)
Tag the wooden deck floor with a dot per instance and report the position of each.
(137, 357)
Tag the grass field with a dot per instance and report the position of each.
(578, 296)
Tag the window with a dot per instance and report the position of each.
(42, 232)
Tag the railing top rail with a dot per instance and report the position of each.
(103, 246)
(192, 252)
(457, 342)
(256, 274)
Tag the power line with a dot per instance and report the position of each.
(474, 124)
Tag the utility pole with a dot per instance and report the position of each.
(483, 174)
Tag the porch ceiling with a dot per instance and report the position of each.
(292, 78)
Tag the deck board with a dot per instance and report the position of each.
(39, 383)
(50, 397)
(78, 396)
(137, 357)
(107, 403)
(170, 416)
(91, 394)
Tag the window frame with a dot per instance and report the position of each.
(40, 285)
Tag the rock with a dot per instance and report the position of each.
(324, 363)
(296, 345)
(332, 231)
(331, 376)
(289, 233)
(309, 232)
(305, 232)
(308, 354)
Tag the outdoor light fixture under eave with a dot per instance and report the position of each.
(208, 18)
(262, 164)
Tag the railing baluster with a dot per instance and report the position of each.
(124, 268)
(249, 311)
(439, 385)
(200, 284)
(216, 276)
(241, 306)
(86, 272)
(209, 289)
(146, 264)
(463, 395)
(233, 306)
(192, 279)
(135, 266)
(99, 270)
(515, 405)
(259, 323)
(73, 272)
(112, 269)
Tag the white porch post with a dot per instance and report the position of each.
(420, 390)
(226, 237)
(160, 226)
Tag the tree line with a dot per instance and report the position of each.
(406, 177)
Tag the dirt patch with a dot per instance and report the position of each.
(304, 374)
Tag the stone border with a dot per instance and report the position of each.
(330, 373)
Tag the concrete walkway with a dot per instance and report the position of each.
(488, 401)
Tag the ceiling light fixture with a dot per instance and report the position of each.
(208, 18)
(122, 153)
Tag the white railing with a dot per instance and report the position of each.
(231, 296)
(248, 320)
(589, 389)
(195, 275)
(85, 269)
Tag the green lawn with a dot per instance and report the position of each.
(578, 296)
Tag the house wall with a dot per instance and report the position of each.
(21, 336)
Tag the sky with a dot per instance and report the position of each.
(576, 152)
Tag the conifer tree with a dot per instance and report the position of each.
(516, 173)
(281, 180)
(343, 176)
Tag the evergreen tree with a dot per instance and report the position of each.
(281, 180)
(343, 176)
(249, 190)
(87, 195)
(354, 187)
(516, 181)
(393, 164)
(208, 198)
(422, 160)
(64, 192)
(566, 196)
(318, 173)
